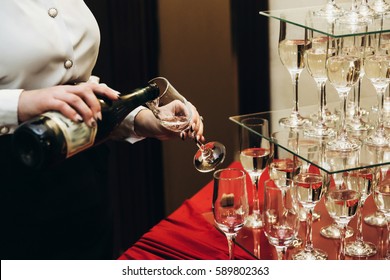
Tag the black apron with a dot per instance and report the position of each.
(61, 212)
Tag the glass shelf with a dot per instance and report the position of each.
(306, 18)
(329, 162)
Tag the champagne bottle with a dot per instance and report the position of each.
(51, 137)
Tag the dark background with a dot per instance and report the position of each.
(128, 59)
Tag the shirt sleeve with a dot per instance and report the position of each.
(125, 131)
(9, 99)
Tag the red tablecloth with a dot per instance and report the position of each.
(189, 233)
(185, 234)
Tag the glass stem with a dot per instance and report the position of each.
(343, 133)
(281, 252)
(357, 101)
(256, 204)
(256, 242)
(199, 144)
(380, 95)
(231, 237)
(388, 238)
(295, 78)
(359, 233)
(341, 254)
(322, 103)
(309, 230)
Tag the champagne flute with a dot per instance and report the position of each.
(378, 219)
(308, 190)
(357, 45)
(316, 55)
(254, 155)
(338, 161)
(281, 222)
(342, 206)
(362, 181)
(377, 69)
(230, 203)
(343, 72)
(286, 163)
(175, 113)
(382, 201)
(292, 45)
(282, 169)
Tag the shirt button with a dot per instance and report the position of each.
(4, 130)
(53, 12)
(68, 64)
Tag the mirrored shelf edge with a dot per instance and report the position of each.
(306, 18)
(368, 157)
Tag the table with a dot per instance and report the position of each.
(188, 233)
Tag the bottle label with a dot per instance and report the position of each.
(78, 136)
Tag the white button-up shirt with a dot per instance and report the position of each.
(44, 43)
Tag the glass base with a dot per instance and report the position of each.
(319, 131)
(330, 10)
(209, 156)
(380, 6)
(330, 118)
(378, 139)
(294, 120)
(343, 144)
(376, 219)
(353, 18)
(253, 221)
(360, 249)
(333, 232)
(358, 125)
(297, 242)
(302, 215)
(314, 254)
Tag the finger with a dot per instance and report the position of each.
(104, 90)
(65, 109)
(88, 96)
(199, 134)
(81, 106)
(197, 125)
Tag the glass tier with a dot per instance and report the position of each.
(306, 147)
(306, 17)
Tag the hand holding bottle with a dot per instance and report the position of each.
(76, 102)
(52, 136)
(147, 125)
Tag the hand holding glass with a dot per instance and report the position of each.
(175, 114)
